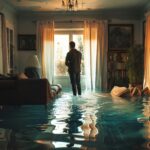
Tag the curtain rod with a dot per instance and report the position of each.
(69, 21)
(63, 21)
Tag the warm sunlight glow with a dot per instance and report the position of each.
(61, 47)
(147, 54)
(78, 39)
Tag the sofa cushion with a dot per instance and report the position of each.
(119, 91)
(22, 76)
(57, 87)
(32, 72)
(7, 84)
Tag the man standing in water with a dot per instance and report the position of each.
(73, 61)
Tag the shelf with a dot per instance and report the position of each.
(117, 72)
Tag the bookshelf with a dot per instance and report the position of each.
(117, 72)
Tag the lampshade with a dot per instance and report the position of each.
(33, 62)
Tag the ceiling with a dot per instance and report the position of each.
(90, 5)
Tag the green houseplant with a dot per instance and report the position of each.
(135, 65)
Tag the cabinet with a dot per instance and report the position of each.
(117, 72)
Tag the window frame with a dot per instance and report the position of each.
(70, 32)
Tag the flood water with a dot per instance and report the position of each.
(91, 122)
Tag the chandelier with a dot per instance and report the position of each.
(70, 5)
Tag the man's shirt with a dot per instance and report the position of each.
(73, 61)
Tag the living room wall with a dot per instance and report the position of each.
(27, 25)
(11, 23)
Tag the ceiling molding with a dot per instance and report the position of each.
(147, 7)
(9, 6)
(100, 14)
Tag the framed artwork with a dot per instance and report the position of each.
(120, 37)
(27, 42)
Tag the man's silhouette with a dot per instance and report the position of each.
(73, 61)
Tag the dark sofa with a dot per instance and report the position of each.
(26, 92)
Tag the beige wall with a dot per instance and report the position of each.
(25, 26)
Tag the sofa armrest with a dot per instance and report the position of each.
(8, 92)
(32, 91)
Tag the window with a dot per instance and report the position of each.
(61, 47)
(60, 51)
(78, 39)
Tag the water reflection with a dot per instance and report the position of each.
(75, 118)
(92, 122)
(146, 121)
(73, 124)
(89, 128)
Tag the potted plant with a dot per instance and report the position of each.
(135, 65)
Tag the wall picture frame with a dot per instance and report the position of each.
(120, 37)
(26, 42)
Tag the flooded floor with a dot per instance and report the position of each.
(91, 122)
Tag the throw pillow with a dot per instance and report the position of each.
(22, 76)
(119, 91)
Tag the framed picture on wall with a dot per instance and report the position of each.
(120, 37)
(26, 42)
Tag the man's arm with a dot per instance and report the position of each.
(80, 57)
(67, 60)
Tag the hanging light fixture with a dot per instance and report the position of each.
(70, 5)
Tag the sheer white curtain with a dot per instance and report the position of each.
(45, 46)
(101, 57)
(95, 45)
(90, 43)
(3, 46)
(147, 54)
